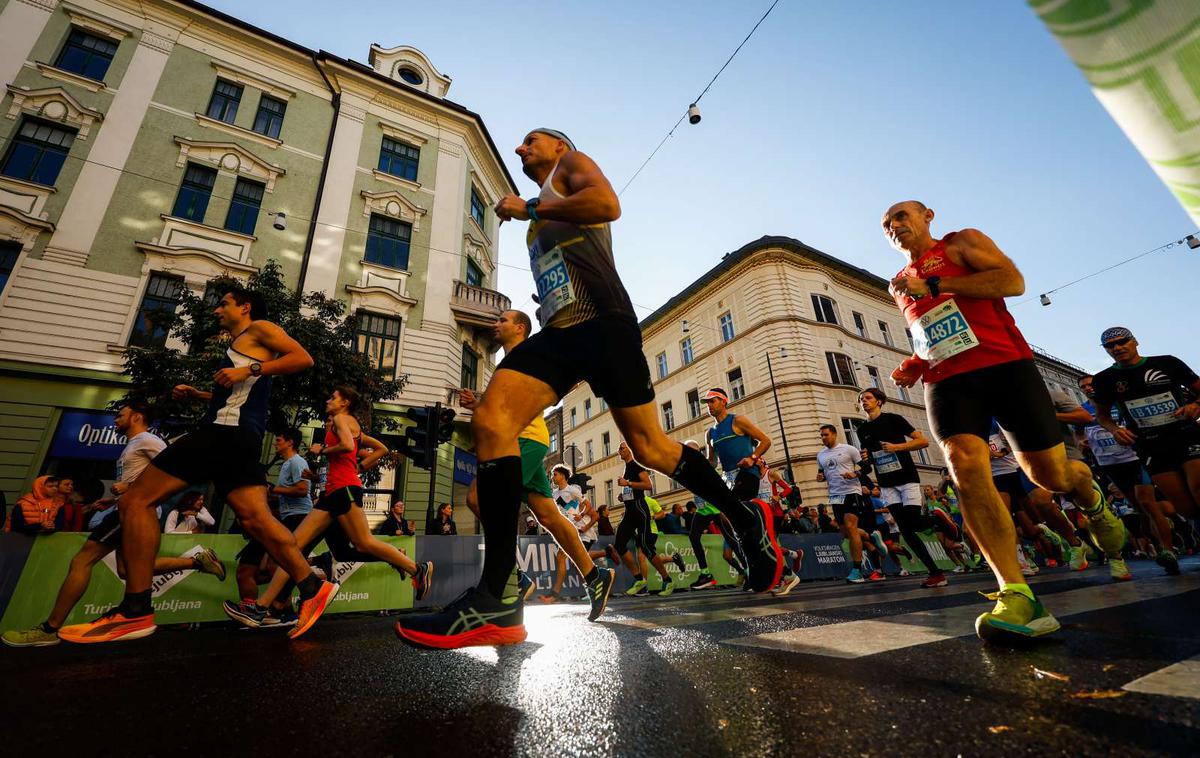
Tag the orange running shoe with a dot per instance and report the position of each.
(311, 609)
(110, 627)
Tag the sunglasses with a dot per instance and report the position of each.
(1114, 343)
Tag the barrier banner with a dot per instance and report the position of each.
(457, 563)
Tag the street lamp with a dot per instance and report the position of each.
(779, 415)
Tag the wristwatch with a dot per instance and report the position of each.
(531, 208)
(933, 283)
(256, 369)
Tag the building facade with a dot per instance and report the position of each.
(151, 146)
(1059, 374)
(829, 330)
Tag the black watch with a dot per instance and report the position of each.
(531, 208)
(256, 369)
(932, 283)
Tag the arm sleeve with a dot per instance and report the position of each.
(204, 517)
(172, 521)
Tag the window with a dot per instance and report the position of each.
(269, 119)
(608, 492)
(38, 152)
(399, 159)
(587, 409)
(243, 211)
(605, 444)
(589, 452)
(474, 273)
(603, 405)
(86, 54)
(668, 415)
(194, 193)
(163, 293)
(661, 360)
(923, 457)
(873, 377)
(885, 334)
(410, 76)
(860, 324)
(574, 422)
(903, 392)
(737, 390)
(477, 207)
(693, 404)
(909, 338)
(553, 442)
(824, 309)
(8, 261)
(378, 337)
(685, 351)
(850, 431)
(470, 368)
(387, 242)
(223, 105)
(726, 326)
(841, 369)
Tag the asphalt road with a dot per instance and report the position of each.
(886, 669)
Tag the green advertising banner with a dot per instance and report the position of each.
(183, 596)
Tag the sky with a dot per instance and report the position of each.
(829, 114)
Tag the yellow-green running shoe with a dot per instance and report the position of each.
(637, 588)
(1118, 570)
(667, 589)
(35, 637)
(1014, 615)
(1106, 526)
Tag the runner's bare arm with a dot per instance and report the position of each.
(345, 435)
(997, 275)
(762, 441)
(591, 199)
(377, 450)
(185, 392)
(642, 482)
(291, 355)
(916, 441)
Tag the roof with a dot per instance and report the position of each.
(766, 242)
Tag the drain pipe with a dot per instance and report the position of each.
(312, 225)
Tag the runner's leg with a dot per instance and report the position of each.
(79, 576)
(983, 511)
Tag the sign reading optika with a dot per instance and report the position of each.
(90, 435)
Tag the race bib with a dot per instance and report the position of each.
(626, 494)
(942, 333)
(554, 287)
(1156, 410)
(885, 462)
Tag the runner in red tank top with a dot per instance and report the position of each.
(976, 366)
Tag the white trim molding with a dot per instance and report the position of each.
(54, 72)
(27, 198)
(242, 76)
(55, 104)
(182, 234)
(394, 204)
(404, 134)
(93, 22)
(237, 131)
(230, 157)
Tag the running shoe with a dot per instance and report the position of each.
(876, 576)
(797, 560)
(1014, 615)
(703, 582)
(35, 637)
(207, 562)
(762, 549)
(935, 580)
(677, 559)
(611, 553)
(525, 585)
(312, 608)
(666, 590)
(904, 572)
(1168, 560)
(1116, 569)
(549, 598)
(1051, 563)
(475, 618)
(247, 613)
(855, 577)
(281, 618)
(324, 562)
(787, 585)
(960, 569)
(110, 627)
(637, 588)
(422, 581)
(1029, 569)
(1078, 559)
(1106, 526)
(598, 591)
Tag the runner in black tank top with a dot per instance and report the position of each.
(590, 333)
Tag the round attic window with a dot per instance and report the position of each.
(410, 75)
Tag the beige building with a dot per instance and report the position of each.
(830, 329)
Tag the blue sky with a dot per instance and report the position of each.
(829, 114)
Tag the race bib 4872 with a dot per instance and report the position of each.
(941, 333)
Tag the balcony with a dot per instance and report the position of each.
(477, 306)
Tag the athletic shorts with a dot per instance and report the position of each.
(744, 483)
(1168, 454)
(858, 506)
(1013, 485)
(902, 494)
(605, 352)
(108, 531)
(635, 525)
(341, 500)
(227, 456)
(533, 469)
(1126, 476)
(1012, 393)
(252, 554)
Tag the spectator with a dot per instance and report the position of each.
(531, 526)
(604, 525)
(689, 513)
(443, 521)
(790, 523)
(825, 521)
(190, 517)
(37, 512)
(931, 497)
(809, 522)
(71, 504)
(395, 525)
(672, 523)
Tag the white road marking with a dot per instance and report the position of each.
(1177, 680)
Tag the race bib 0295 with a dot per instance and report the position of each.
(554, 286)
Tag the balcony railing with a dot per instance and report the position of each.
(477, 306)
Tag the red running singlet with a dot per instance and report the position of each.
(343, 467)
(954, 334)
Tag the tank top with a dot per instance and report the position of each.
(731, 447)
(955, 334)
(245, 403)
(574, 269)
(343, 467)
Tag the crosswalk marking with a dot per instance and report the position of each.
(856, 639)
(1177, 680)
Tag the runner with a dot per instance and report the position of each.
(1006, 476)
(888, 440)
(141, 446)
(638, 524)
(1154, 396)
(976, 366)
(590, 332)
(511, 329)
(578, 511)
(837, 466)
(706, 516)
(225, 449)
(342, 502)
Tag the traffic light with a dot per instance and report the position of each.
(583, 481)
(419, 439)
(445, 424)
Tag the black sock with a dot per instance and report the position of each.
(137, 604)
(309, 586)
(500, 490)
(696, 474)
(49, 629)
(858, 565)
(638, 578)
(591, 575)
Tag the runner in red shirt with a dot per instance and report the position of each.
(976, 365)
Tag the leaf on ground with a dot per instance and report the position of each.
(1109, 667)
(999, 728)
(1098, 694)
(722, 723)
(1043, 674)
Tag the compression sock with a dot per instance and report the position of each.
(136, 604)
(500, 492)
(591, 575)
(308, 586)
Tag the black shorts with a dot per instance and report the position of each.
(108, 531)
(858, 506)
(227, 456)
(635, 525)
(746, 484)
(252, 554)
(1010, 484)
(1012, 393)
(341, 500)
(1126, 476)
(605, 352)
(1167, 454)
(1133, 524)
